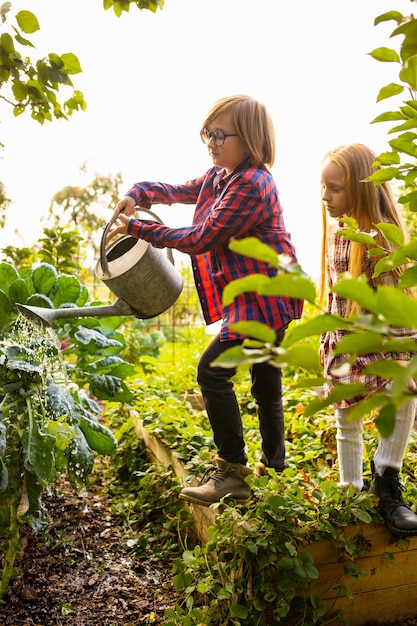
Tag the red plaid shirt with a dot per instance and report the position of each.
(338, 253)
(244, 204)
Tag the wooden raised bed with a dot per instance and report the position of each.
(387, 586)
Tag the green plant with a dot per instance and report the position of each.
(49, 386)
(35, 86)
(144, 495)
(45, 430)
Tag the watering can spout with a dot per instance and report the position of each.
(142, 278)
(46, 317)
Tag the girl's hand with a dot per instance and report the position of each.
(119, 227)
(126, 205)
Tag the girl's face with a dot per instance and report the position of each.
(232, 151)
(333, 190)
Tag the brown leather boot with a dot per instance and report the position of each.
(227, 480)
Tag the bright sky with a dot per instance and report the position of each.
(149, 79)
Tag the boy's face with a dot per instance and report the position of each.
(333, 190)
(232, 152)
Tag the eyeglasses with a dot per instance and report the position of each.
(217, 135)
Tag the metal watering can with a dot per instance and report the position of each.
(142, 277)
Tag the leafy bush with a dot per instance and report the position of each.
(49, 408)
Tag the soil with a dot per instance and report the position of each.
(79, 572)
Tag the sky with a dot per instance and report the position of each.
(149, 80)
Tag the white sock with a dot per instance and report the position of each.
(349, 439)
(391, 450)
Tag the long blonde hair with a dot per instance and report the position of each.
(369, 205)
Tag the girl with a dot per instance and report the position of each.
(346, 192)
(236, 198)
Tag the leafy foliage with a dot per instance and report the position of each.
(124, 5)
(49, 407)
(34, 85)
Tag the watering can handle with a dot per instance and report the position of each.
(103, 258)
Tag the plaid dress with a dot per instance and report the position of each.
(338, 253)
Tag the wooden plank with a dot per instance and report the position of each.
(377, 537)
(387, 604)
(203, 516)
(378, 574)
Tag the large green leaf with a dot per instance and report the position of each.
(6, 308)
(98, 436)
(80, 460)
(108, 387)
(357, 290)
(38, 453)
(396, 307)
(94, 340)
(286, 285)
(238, 355)
(312, 327)
(256, 330)
(255, 249)
(18, 291)
(27, 21)
(44, 278)
(66, 289)
(8, 275)
(385, 421)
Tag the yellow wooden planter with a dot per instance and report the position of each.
(385, 590)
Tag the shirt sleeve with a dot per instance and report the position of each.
(232, 216)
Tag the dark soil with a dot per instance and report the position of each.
(80, 572)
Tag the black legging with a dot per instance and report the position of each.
(223, 410)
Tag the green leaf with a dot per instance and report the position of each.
(359, 237)
(289, 286)
(339, 393)
(366, 407)
(312, 327)
(239, 286)
(66, 289)
(357, 290)
(94, 340)
(408, 73)
(397, 308)
(71, 63)
(239, 610)
(391, 232)
(393, 89)
(385, 55)
(44, 278)
(256, 330)
(80, 460)
(388, 116)
(408, 278)
(8, 275)
(38, 453)
(359, 343)
(390, 15)
(6, 308)
(255, 249)
(385, 422)
(18, 291)
(99, 437)
(362, 515)
(109, 388)
(238, 355)
(27, 21)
